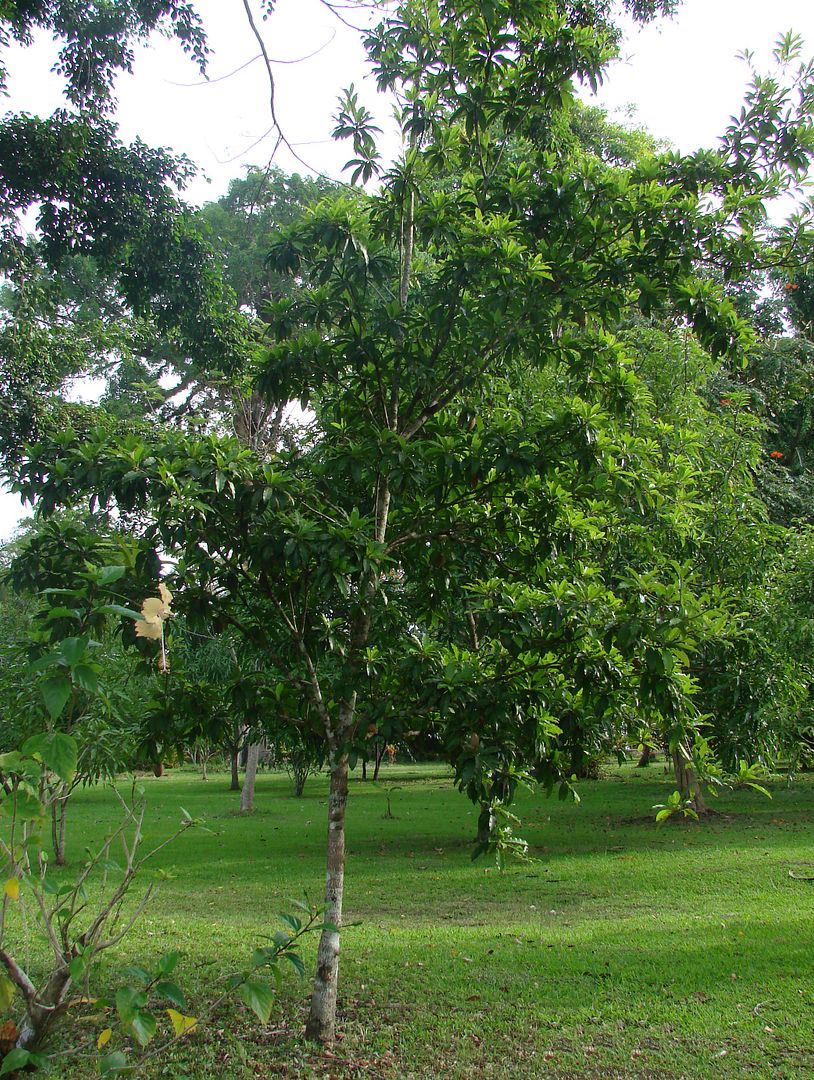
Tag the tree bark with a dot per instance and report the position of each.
(687, 780)
(646, 757)
(377, 761)
(235, 785)
(321, 1026)
(486, 824)
(247, 794)
(43, 1009)
(59, 807)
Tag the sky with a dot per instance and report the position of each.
(681, 77)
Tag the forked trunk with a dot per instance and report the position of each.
(321, 1026)
(687, 780)
(235, 786)
(46, 1007)
(247, 794)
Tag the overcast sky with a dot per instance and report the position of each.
(681, 76)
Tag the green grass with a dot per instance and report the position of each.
(625, 950)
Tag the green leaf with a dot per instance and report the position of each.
(117, 609)
(10, 762)
(43, 662)
(106, 575)
(87, 678)
(259, 997)
(137, 974)
(15, 1059)
(114, 1062)
(77, 967)
(73, 649)
(143, 1025)
(57, 751)
(172, 993)
(296, 962)
(55, 693)
(168, 963)
(128, 1003)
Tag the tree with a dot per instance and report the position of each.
(478, 427)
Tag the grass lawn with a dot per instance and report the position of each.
(624, 950)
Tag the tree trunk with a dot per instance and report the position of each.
(46, 1007)
(379, 756)
(55, 829)
(688, 783)
(247, 794)
(58, 814)
(63, 814)
(321, 1024)
(204, 763)
(486, 824)
(646, 757)
(235, 785)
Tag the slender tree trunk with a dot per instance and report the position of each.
(63, 814)
(59, 807)
(321, 1024)
(235, 785)
(247, 794)
(486, 824)
(204, 763)
(377, 761)
(55, 828)
(688, 783)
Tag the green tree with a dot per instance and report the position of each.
(478, 426)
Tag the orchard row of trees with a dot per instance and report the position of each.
(508, 442)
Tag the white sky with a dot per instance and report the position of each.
(681, 76)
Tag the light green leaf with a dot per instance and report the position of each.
(59, 752)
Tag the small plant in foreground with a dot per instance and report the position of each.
(80, 920)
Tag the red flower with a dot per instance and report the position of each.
(726, 401)
(776, 455)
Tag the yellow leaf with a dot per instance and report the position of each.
(6, 992)
(181, 1024)
(104, 1038)
(12, 888)
(166, 596)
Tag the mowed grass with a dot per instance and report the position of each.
(625, 950)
